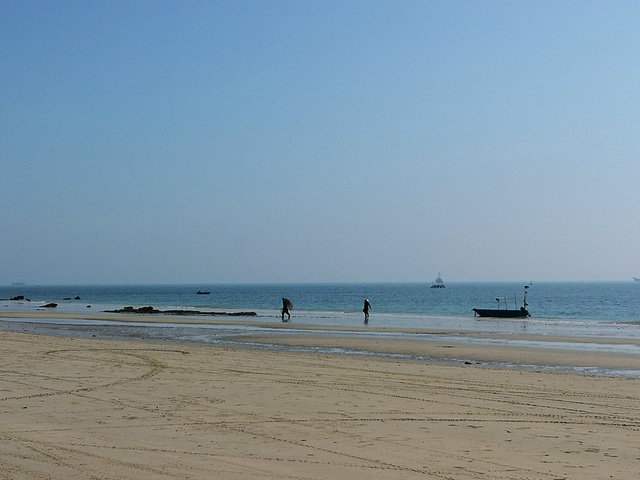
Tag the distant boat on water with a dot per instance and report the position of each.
(636, 279)
(200, 292)
(505, 312)
(438, 283)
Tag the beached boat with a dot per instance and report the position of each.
(438, 283)
(505, 312)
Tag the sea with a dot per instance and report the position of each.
(583, 310)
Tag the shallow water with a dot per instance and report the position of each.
(570, 310)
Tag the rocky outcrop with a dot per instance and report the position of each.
(153, 311)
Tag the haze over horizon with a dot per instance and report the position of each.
(331, 141)
(426, 282)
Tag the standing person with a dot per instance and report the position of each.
(365, 309)
(286, 306)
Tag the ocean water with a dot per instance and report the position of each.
(576, 310)
(401, 305)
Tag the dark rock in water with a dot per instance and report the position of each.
(130, 309)
(151, 310)
(88, 306)
(66, 298)
(50, 305)
(17, 297)
(77, 297)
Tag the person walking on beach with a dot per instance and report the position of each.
(365, 309)
(286, 306)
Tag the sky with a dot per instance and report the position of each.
(319, 141)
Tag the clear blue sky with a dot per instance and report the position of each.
(319, 141)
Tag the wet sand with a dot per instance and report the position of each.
(74, 408)
(513, 350)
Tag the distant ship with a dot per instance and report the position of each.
(200, 292)
(505, 312)
(636, 279)
(438, 283)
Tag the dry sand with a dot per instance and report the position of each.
(98, 409)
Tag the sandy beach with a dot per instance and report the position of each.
(104, 409)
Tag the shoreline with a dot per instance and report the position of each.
(80, 407)
(591, 355)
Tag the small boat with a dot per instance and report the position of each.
(200, 292)
(505, 312)
(438, 283)
(501, 313)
